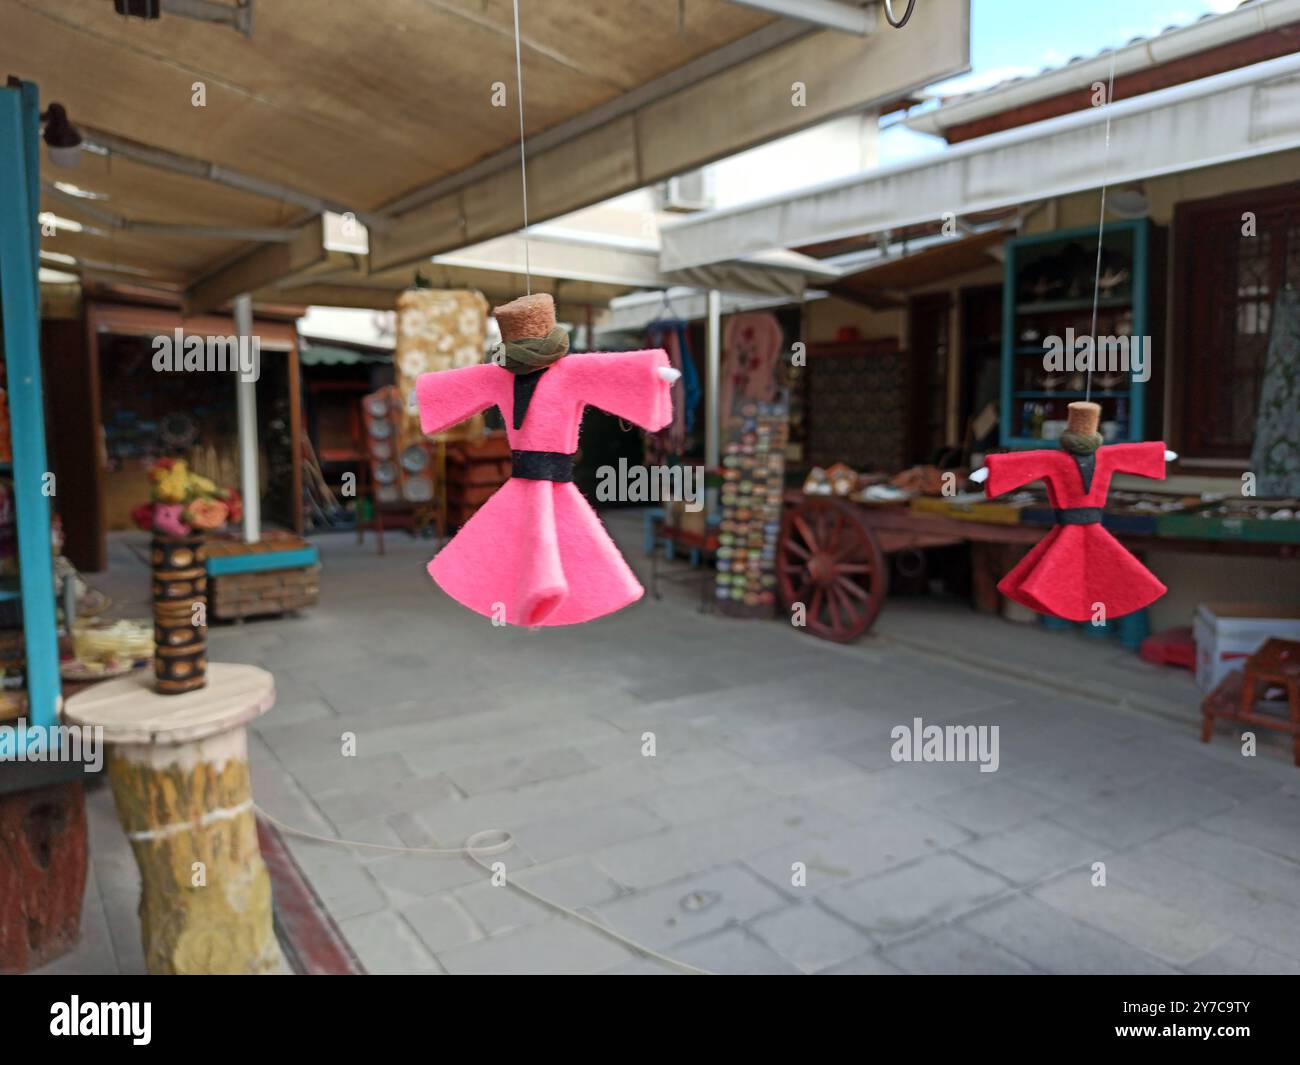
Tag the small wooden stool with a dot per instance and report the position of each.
(1236, 698)
(178, 765)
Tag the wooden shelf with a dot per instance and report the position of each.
(1056, 306)
(1097, 397)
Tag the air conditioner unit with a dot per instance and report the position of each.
(692, 191)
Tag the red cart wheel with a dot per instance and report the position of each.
(829, 561)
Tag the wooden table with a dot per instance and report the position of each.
(178, 765)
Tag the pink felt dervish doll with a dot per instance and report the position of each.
(536, 553)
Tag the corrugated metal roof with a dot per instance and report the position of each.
(1077, 59)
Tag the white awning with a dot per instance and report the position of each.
(1235, 115)
(609, 261)
(637, 311)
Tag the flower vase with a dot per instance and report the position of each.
(180, 604)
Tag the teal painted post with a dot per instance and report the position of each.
(1009, 342)
(19, 289)
(1137, 398)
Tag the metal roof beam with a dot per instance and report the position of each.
(161, 159)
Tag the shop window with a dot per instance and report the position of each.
(1233, 255)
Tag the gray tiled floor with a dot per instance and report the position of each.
(770, 831)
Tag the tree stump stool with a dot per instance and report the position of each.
(178, 765)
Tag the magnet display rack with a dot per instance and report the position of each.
(20, 303)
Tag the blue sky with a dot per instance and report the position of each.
(1011, 38)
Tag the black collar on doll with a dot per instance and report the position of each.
(525, 385)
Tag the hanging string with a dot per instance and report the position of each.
(1101, 228)
(523, 162)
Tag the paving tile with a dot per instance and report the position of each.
(693, 848)
(1210, 896)
(1135, 918)
(992, 805)
(441, 923)
(407, 878)
(557, 948)
(340, 880)
(870, 964)
(1032, 851)
(909, 898)
(803, 776)
(1132, 815)
(601, 826)
(387, 945)
(519, 769)
(701, 800)
(384, 799)
(292, 711)
(733, 952)
(575, 884)
(1234, 860)
(881, 842)
(953, 950)
(1268, 823)
(810, 938)
(570, 882)
(1241, 957)
(1056, 943)
(351, 774)
(690, 907)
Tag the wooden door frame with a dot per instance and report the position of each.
(919, 377)
(1185, 304)
(129, 319)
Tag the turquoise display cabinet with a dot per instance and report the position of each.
(1048, 290)
(20, 310)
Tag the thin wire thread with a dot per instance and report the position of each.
(523, 162)
(476, 849)
(1101, 228)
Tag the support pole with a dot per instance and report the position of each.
(20, 314)
(713, 412)
(712, 380)
(246, 395)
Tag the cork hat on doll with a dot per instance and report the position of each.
(526, 318)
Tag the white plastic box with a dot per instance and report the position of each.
(1229, 633)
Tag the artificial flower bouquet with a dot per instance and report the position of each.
(183, 502)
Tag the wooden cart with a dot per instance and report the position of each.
(831, 556)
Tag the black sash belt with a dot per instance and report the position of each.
(1078, 515)
(541, 465)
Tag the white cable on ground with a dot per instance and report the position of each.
(476, 849)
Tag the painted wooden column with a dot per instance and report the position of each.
(246, 418)
(178, 765)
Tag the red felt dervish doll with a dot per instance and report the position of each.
(1078, 571)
